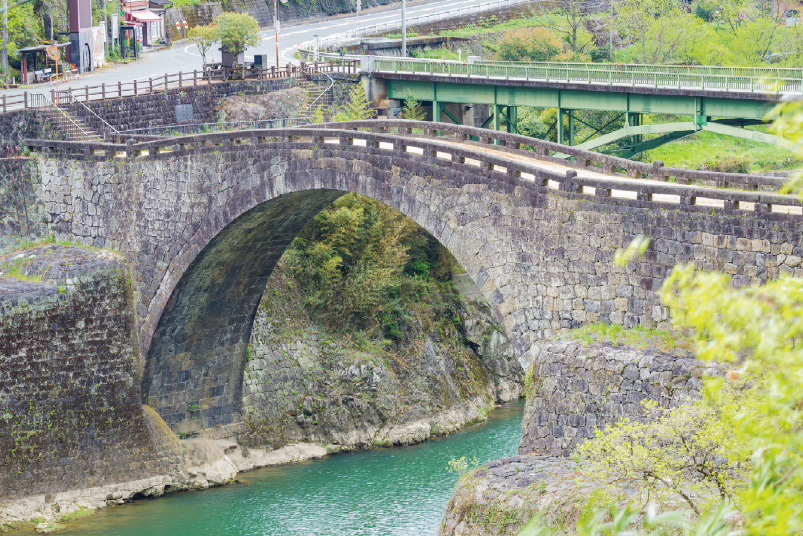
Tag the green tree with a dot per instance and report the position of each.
(663, 32)
(413, 109)
(688, 452)
(24, 29)
(203, 37)
(357, 107)
(237, 31)
(568, 21)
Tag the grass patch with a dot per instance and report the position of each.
(81, 513)
(638, 336)
(494, 24)
(436, 54)
(691, 152)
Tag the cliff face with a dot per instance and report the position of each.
(305, 384)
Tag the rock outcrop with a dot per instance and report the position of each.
(577, 386)
(304, 384)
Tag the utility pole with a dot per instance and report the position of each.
(4, 56)
(276, 28)
(404, 29)
(106, 29)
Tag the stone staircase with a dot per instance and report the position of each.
(319, 93)
(84, 131)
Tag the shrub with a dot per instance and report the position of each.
(728, 164)
(530, 44)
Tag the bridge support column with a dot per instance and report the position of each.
(497, 119)
(513, 119)
(571, 127)
(634, 120)
(559, 124)
(436, 114)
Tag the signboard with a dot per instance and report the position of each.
(115, 26)
(184, 112)
(52, 52)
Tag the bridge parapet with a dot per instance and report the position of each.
(643, 182)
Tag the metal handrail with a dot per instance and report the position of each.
(90, 110)
(601, 74)
(62, 112)
(319, 97)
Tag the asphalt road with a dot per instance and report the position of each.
(184, 57)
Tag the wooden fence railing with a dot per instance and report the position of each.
(160, 83)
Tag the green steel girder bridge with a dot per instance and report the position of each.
(716, 99)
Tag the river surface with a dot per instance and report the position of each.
(385, 492)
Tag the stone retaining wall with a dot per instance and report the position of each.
(158, 109)
(578, 387)
(70, 401)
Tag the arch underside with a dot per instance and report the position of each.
(195, 366)
(675, 131)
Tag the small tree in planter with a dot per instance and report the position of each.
(236, 32)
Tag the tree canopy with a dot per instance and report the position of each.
(237, 31)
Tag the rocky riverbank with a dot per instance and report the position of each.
(578, 384)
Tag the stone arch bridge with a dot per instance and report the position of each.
(203, 220)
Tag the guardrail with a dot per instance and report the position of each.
(416, 21)
(161, 83)
(436, 151)
(598, 74)
(755, 72)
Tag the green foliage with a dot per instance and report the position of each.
(760, 330)
(690, 452)
(638, 336)
(203, 37)
(357, 107)
(363, 266)
(24, 29)
(728, 164)
(413, 109)
(237, 31)
(461, 465)
(705, 10)
(318, 115)
(436, 53)
(530, 44)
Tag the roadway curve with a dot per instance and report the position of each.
(184, 57)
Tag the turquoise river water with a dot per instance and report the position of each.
(385, 492)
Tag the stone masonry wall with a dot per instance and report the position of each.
(159, 109)
(577, 387)
(70, 407)
(193, 223)
(20, 208)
